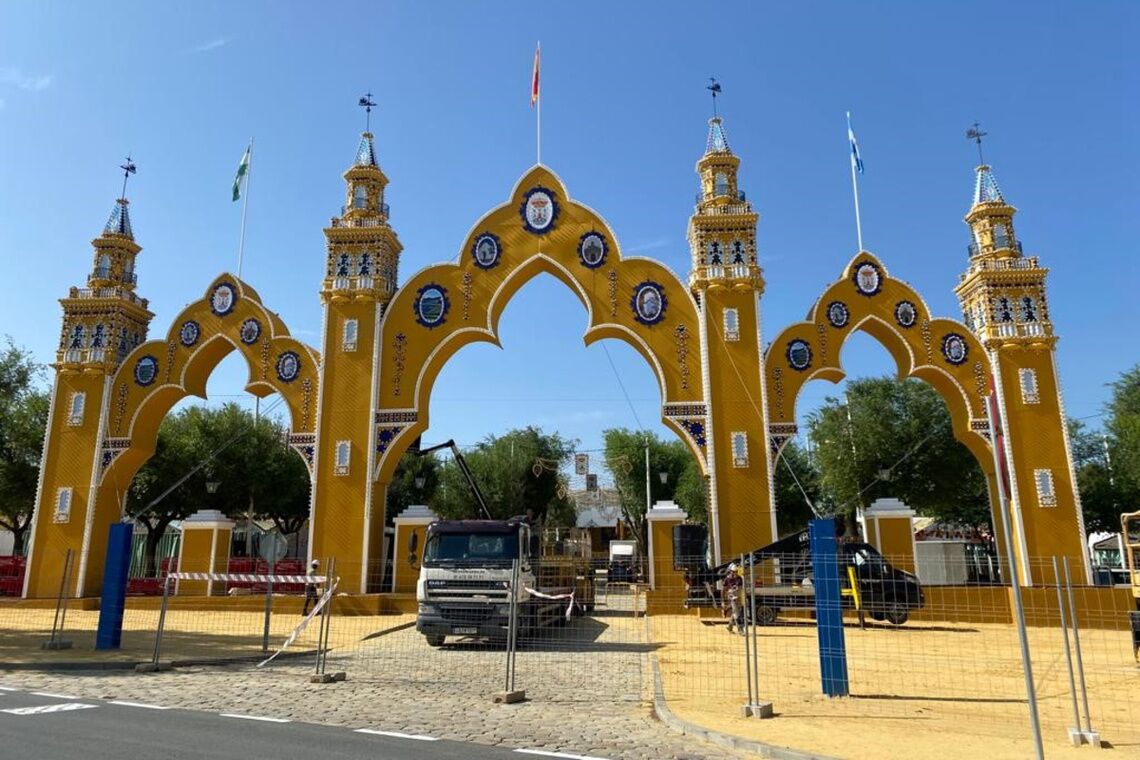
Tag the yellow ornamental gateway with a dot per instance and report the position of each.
(356, 403)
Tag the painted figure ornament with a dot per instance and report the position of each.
(222, 299)
(539, 210)
(486, 251)
(867, 279)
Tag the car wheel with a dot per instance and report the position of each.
(766, 615)
(434, 640)
(896, 614)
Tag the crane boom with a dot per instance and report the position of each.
(459, 460)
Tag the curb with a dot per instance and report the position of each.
(71, 665)
(662, 712)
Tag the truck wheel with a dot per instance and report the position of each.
(896, 614)
(875, 615)
(434, 639)
(766, 615)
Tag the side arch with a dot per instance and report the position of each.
(499, 255)
(159, 373)
(943, 352)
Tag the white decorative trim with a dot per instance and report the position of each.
(1017, 530)
(38, 511)
(75, 408)
(1077, 506)
(768, 454)
(349, 332)
(710, 431)
(342, 457)
(93, 485)
(1046, 494)
(63, 500)
(322, 391)
(370, 454)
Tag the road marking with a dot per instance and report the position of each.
(124, 703)
(545, 753)
(8, 688)
(54, 696)
(255, 717)
(39, 709)
(397, 734)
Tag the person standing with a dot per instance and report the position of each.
(732, 587)
(311, 586)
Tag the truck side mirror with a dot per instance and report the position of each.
(413, 544)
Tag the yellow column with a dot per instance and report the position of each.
(412, 521)
(661, 519)
(205, 548)
(888, 525)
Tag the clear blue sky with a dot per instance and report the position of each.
(183, 86)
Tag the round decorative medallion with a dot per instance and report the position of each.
(431, 305)
(905, 314)
(486, 251)
(868, 278)
(837, 314)
(538, 210)
(223, 298)
(288, 366)
(592, 250)
(799, 355)
(146, 370)
(649, 303)
(954, 348)
(189, 333)
(250, 331)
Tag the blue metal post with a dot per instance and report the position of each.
(828, 608)
(114, 597)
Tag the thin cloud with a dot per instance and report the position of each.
(651, 245)
(14, 76)
(206, 47)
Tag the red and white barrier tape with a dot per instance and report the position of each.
(248, 578)
(304, 622)
(555, 597)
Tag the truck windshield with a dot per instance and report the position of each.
(471, 547)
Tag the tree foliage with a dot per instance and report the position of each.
(518, 471)
(255, 472)
(684, 484)
(1108, 463)
(403, 491)
(796, 480)
(23, 419)
(893, 438)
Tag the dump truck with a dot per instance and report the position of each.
(784, 577)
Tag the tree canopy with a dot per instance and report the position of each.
(893, 438)
(1108, 462)
(23, 419)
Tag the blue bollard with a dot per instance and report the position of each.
(114, 597)
(828, 608)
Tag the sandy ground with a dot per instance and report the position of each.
(925, 690)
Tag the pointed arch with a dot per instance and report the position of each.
(943, 352)
(445, 307)
(159, 373)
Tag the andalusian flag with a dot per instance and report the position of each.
(243, 170)
(534, 78)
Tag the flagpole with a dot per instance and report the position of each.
(244, 208)
(538, 108)
(855, 190)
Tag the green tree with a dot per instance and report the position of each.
(796, 479)
(403, 491)
(517, 471)
(625, 458)
(894, 438)
(23, 420)
(1123, 428)
(1103, 496)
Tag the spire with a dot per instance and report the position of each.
(717, 141)
(366, 152)
(119, 223)
(986, 188)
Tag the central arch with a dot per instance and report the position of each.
(539, 229)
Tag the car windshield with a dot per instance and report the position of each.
(458, 547)
(870, 558)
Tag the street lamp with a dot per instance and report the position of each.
(420, 480)
(212, 486)
(664, 477)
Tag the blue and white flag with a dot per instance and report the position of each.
(856, 162)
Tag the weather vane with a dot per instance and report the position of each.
(714, 88)
(367, 104)
(976, 134)
(128, 169)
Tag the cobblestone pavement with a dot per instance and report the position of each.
(589, 688)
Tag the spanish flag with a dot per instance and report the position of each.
(534, 79)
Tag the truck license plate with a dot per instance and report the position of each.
(466, 631)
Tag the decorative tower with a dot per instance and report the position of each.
(102, 323)
(1003, 300)
(360, 277)
(727, 283)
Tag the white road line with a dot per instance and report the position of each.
(255, 717)
(397, 734)
(8, 688)
(559, 754)
(40, 709)
(54, 696)
(124, 703)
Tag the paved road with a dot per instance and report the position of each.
(51, 726)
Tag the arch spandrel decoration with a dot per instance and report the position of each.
(943, 352)
(540, 229)
(159, 373)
